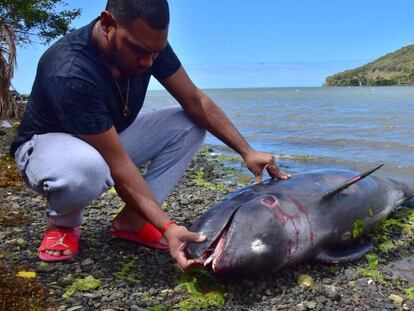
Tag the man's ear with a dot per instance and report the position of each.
(107, 22)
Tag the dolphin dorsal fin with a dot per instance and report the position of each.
(348, 183)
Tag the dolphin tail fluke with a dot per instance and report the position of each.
(348, 183)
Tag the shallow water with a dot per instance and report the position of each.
(308, 128)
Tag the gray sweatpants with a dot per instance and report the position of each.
(71, 173)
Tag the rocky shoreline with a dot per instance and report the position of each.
(110, 274)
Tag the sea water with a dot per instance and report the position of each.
(321, 127)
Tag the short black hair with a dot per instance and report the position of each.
(155, 13)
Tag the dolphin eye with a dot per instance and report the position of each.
(270, 201)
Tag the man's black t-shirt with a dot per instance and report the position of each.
(74, 92)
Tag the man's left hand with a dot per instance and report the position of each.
(257, 162)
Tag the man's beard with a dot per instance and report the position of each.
(113, 59)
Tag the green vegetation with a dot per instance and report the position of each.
(203, 292)
(409, 292)
(232, 166)
(82, 285)
(401, 225)
(357, 228)
(395, 68)
(126, 274)
(203, 289)
(402, 222)
(199, 180)
(372, 270)
(372, 259)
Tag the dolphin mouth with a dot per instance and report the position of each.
(212, 255)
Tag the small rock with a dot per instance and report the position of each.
(179, 288)
(397, 299)
(165, 292)
(66, 280)
(305, 281)
(153, 291)
(87, 262)
(117, 295)
(310, 305)
(5, 124)
(46, 267)
(300, 307)
(75, 308)
(331, 291)
(350, 274)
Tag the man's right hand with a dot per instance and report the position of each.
(177, 238)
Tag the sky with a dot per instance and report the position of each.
(264, 43)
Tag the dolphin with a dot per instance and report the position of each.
(316, 215)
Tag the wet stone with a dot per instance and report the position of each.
(331, 291)
(66, 280)
(117, 295)
(310, 305)
(45, 267)
(153, 292)
(87, 262)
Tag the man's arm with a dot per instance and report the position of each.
(203, 111)
(129, 183)
(133, 189)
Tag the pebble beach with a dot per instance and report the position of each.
(110, 274)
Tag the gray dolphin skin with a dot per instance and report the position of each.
(316, 215)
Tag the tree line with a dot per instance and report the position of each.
(23, 22)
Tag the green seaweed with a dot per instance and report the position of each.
(126, 274)
(409, 292)
(372, 270)
(357, 228)
(203, 289)
(370, 213)
(82, 285)
(228, 158)
(373, 273)
(372, 259)
(386, 246)
(157, 308)
(199, 180)
(402, 223)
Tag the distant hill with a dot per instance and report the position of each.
(395, 68)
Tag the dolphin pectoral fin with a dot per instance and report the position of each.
(343, 254)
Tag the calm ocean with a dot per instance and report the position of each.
(310, 128)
